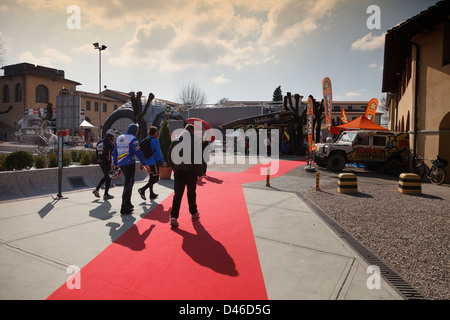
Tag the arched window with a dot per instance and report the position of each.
(41, 94)
(5, 93)
(19, 93)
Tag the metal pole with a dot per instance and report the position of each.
(100, 94)
(60, 164)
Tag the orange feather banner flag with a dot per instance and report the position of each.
(372, 109)
(309, 114)
(328, 101)
(344, 118)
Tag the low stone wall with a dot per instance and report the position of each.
(31, 183)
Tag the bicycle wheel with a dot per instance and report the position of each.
(437, 175)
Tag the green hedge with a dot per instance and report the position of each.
(40, 161)
(88, 157)
(52, 159)
(2, 161)
(19, 160)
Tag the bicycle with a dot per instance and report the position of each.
(419, 167)
(437, 172)
(435, 175)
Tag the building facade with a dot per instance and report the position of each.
(26, 88)
(417, 81)
(111, 100)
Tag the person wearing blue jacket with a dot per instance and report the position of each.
(125, 149)
(152, 162)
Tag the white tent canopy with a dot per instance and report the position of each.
(86, 124)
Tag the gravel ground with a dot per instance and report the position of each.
(409, 233)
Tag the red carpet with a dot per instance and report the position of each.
(214, 258)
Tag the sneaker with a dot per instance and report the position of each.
(108, 196)
(142, 194)
(95, 192)
(153, 196)
(126, 210)
(195, 216)
(174, 222)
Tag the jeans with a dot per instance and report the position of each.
(182, 180)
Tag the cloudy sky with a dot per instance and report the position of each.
(234, 49)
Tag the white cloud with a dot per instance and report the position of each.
(288, 20)
(50, 57)
(176, 34)
(369, 42)
(216, 32)
(374, 66)
(29, 57)
(354, 94)
(221, 79)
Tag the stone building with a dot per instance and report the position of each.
(416, 78)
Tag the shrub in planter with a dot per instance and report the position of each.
(92, 157)
(40, 162)
(88, 158)
(18, 160)
(76, 155)
(67, 159)
(2, 161)
(52, 160)
(165, 142)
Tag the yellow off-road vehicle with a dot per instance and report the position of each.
(373, 149)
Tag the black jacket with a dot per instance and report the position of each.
(108, 148)
(189, 165)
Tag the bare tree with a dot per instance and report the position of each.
(221, 102)
(2, 52)
(2, 60)
(384, 109)
(191, 95)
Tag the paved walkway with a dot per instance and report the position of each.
(41, 240)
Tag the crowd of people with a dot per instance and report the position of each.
(117, 156)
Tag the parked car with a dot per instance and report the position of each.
(370, 148)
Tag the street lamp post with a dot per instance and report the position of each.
(100, 49)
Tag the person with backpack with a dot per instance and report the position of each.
(126, 147)
(104, 152)
(152, 152)
(187, 172)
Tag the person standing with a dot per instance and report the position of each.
(104, 151)
(205, 156)
(152, 161)
(186, 175)
(126, 147)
